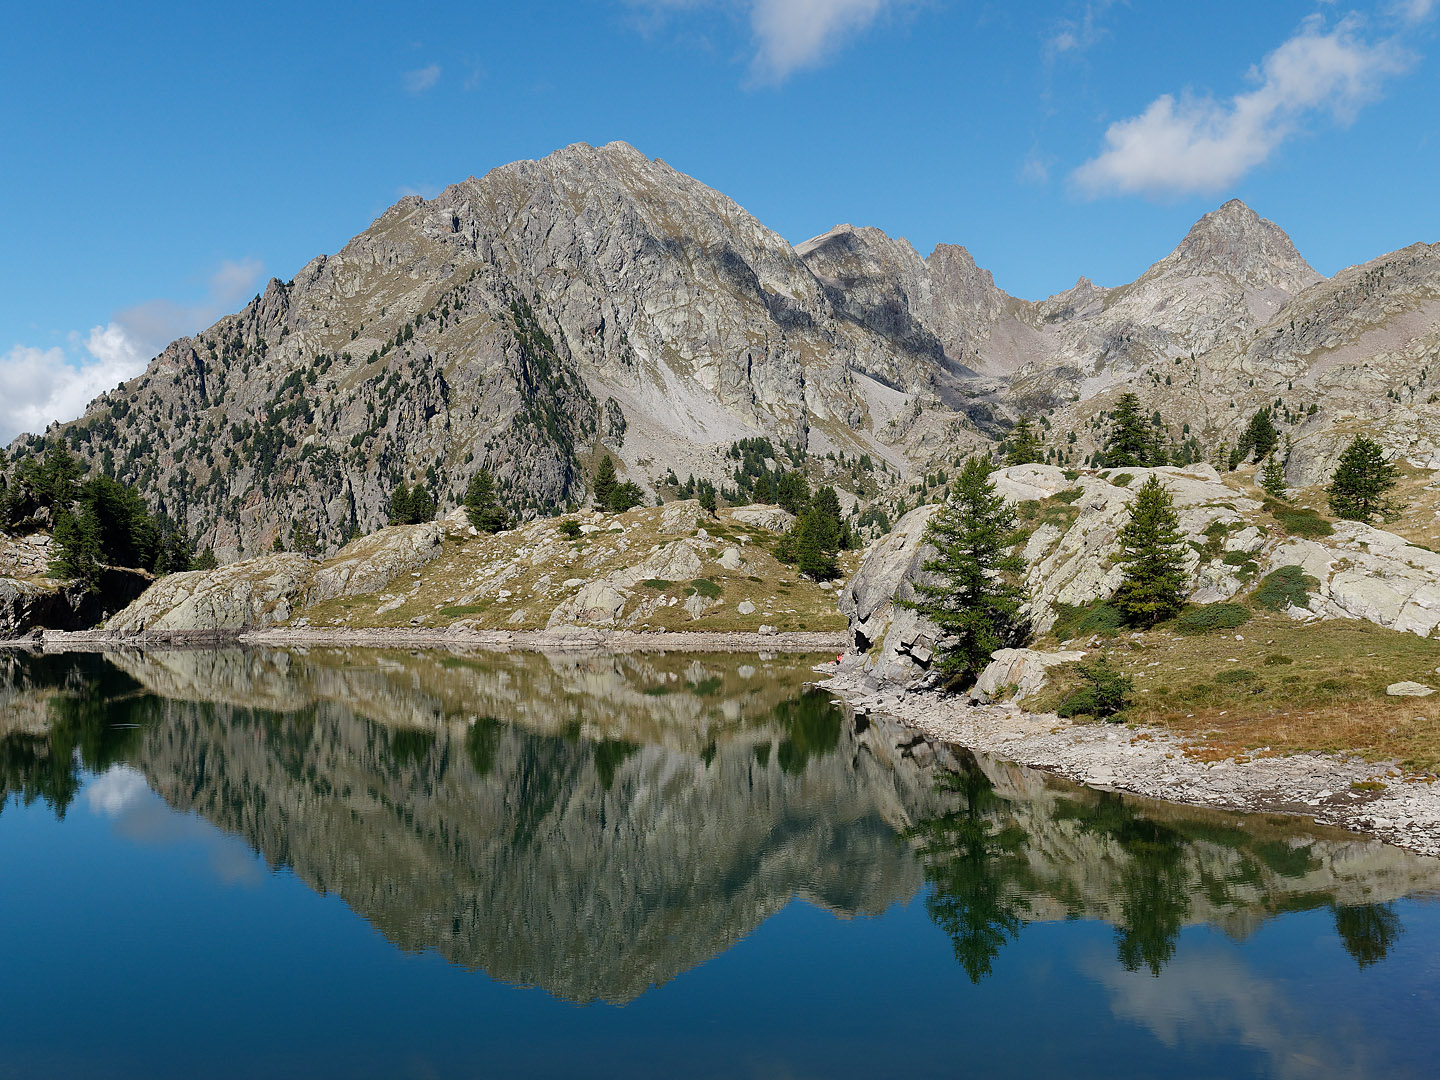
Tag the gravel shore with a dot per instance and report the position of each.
(1402, 810)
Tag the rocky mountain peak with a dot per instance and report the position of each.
(1234, 241)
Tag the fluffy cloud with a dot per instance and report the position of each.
(1191, 144)
(40, 386)
(422, 79)
(790, 35)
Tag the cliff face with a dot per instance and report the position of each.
(524, 319)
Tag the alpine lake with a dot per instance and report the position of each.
(392, 864)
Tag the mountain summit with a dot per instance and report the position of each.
(596, 299)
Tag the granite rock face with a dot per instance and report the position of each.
(521, 320)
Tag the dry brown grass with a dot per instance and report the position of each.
(1277, 686)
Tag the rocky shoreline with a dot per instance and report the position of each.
(1362, 796)
(560, 639)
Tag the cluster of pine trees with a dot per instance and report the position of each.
(95, 522)
(411, 506)
(819, 534)
(613, 495)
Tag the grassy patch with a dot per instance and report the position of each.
(1208, 618)
(1289, 586)
(706, 588)
(1299, 521)
(1084, 620)
(461, 610)
(1289, 687)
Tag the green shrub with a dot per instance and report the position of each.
(1123, 480)
(659, 584)
(1236, 558)
(1232, 676)
(1206, 618)
(1082, 620)
(1298, 521)
(1289, 586)
(705, 587)
(570, 527)
(1069, 495)
(1106, 693)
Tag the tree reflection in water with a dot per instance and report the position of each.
(973, 863)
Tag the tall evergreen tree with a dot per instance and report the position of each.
(969, 593)
(1152, 550)
(482, 506)
(400, 504)
(1260, 438)
(1360, 489)
(1272, 478)
(76, 554)
(605, 482)
(422, 505)
(1023, 445)
(1130, 442)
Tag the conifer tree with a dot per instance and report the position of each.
(1360, 489)
(422, 505)
(1130, 443)
(1260, 438)
(1023, 446)
(400, 504)
(206, 559)
(605, 482)
(969, 593)
(1152, 550)
(481, 505)
(77, 548)
(1272, 478)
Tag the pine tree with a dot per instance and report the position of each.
(1362, 482)
(481, 505)
(400, 505)
(1130, 443)
(968, 592)
(605, 482)
(206, 559)
(1023, 446)
(1151, 547)
(77, 548)
(814, 545)
(1272, 478)
(1260, 438)
(422, 505)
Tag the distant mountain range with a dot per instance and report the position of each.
(597, 298)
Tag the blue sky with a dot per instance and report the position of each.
(162, 161)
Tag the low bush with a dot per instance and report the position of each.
(1206, 618)
(1080, 621)
(1106, 693)
(705, 587)
(570, 527)
(1289, 586)
(658, 584)
(1298, 521)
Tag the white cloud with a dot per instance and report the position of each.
(422, 79)
(794, 34)
(1195, 144)
(1412, 11)
(788, 35)
(116, 790)
(1078, 35)
(40, 386)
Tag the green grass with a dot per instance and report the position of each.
(462, 610)
(1286, 587)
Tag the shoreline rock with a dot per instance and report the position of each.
(1150, 761)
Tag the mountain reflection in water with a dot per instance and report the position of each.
(596, 825)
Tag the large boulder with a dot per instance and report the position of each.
(369, 564)
(897, 642)
(1024, 669)
(253, 593)
(761, 516)
(1368, 573)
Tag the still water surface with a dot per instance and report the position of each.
(388, 864)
